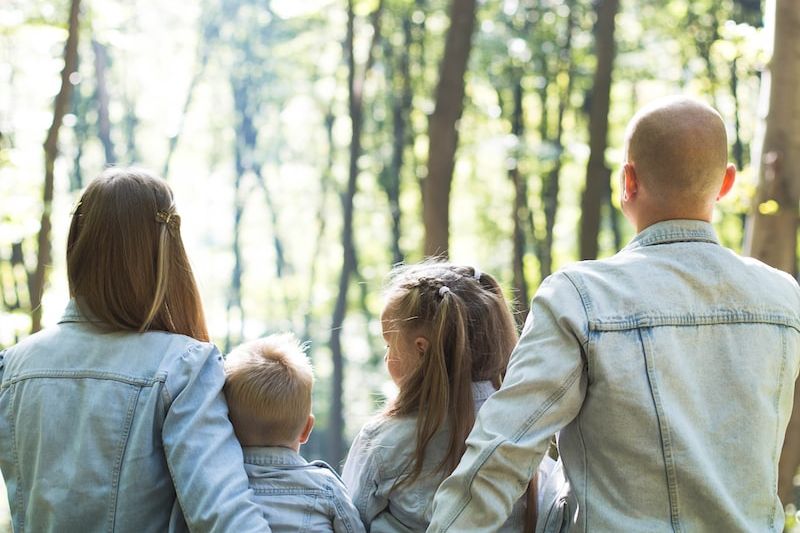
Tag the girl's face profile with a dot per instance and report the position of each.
(401, 355)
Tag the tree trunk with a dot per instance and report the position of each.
(443, 127)
(598, 175)
(773, 224)
(401, 101)
(521, 211)
(552, 184)
(50, 153)
(356, 109)
(101, 96)
(322, 209)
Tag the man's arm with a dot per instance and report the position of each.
(543, 391)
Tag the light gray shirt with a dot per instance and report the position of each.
(668, 370)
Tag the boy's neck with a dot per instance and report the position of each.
(292, 446)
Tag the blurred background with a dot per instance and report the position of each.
(301, 138)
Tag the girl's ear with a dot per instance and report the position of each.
(422, 345)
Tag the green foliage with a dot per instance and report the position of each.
(269, 79)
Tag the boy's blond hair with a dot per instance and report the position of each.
(268, 385)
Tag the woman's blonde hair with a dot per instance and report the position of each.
(126, 263)
(471, 333)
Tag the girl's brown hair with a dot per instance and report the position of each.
(126, 263)
(471, 334)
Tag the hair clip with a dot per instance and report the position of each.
(170, 219)
(444, 289)
(477, 275)
(76, 208)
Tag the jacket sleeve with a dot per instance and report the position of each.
(346, 518)
(361, 475)
(543, 391)
(203, 455)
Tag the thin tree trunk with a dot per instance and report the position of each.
(101, 96)
(208, 32)
(50, 153)
(773, 224)
(80, 106)
(356, 108)
(443, 130)
(552, 184)
(246, 136)
(598, 175)
(401, 109)
(325, 181)
(521, 210)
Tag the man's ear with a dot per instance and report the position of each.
(422, 345)
(630, 181)
(727, 181)
(307, 429)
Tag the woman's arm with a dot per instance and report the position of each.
(203, 455)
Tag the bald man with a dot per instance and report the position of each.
(666, 371)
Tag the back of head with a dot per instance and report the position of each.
(679, 150)
(268, 385)
(126, 263)
(471, 333)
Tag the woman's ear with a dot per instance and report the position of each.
(422, 345)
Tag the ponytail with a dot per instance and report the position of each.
(464, 316)
(446, 385)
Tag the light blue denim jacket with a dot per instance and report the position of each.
(669, 372)
(381, 454)
(297, 496)
(119, 432)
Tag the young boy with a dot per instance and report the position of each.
(268, 387)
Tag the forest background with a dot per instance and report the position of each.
(313, 145)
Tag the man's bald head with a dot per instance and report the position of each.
(679, 150)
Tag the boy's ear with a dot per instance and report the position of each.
(422, 345)
(727, 181)
(307, 429)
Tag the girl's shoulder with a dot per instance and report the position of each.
(384, 428)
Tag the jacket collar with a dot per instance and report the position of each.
(73, 314)
(670, 231)
(272, 456)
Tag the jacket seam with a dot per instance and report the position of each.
(722, 316)
(339, 509)
(20, 489)
(554, 397)
(585, 476)
(123, 445)
(586, 303)
(82, 374)
(771, 518)
(664, 431)
(166, 455)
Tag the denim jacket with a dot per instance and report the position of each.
(381, 454)
(298, 496)
(119, 432)
(668, 371)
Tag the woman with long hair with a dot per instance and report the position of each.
(113, 420)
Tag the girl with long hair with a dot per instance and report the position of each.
(449, 333)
